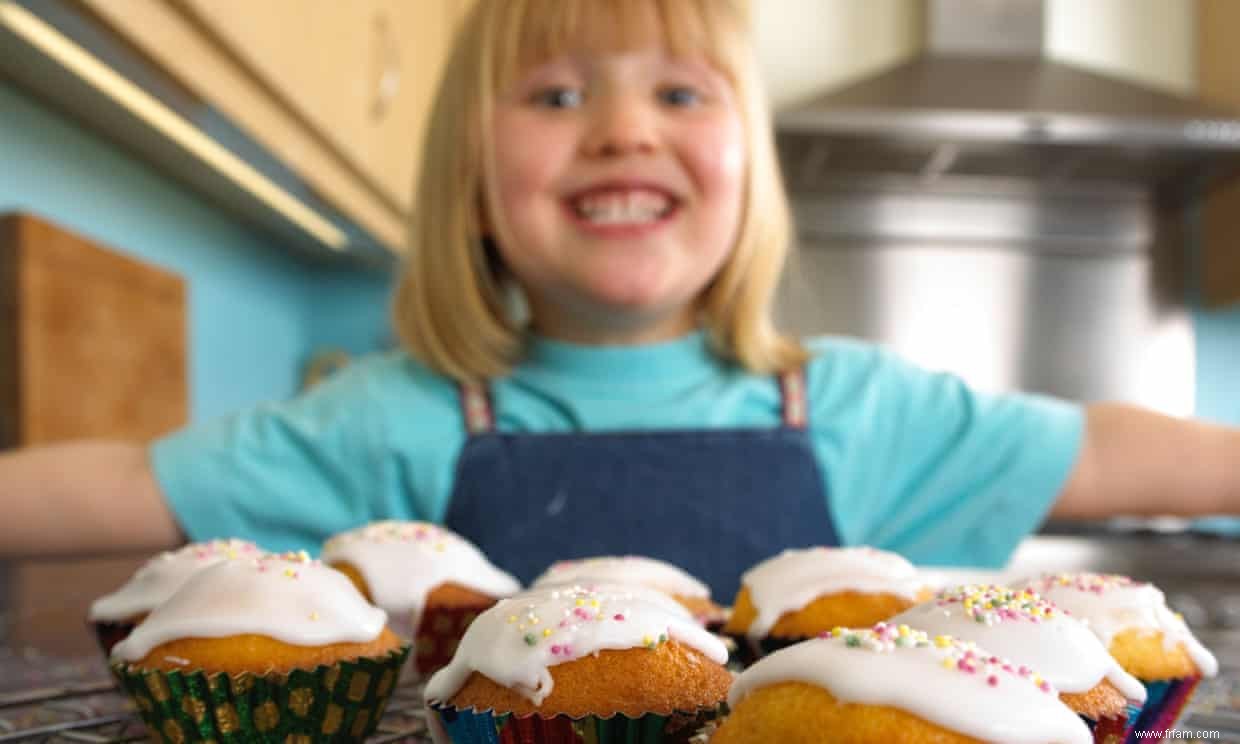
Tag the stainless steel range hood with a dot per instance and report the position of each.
(983, 102)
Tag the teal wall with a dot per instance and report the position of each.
(1217, 335)
(1218, 365)
(256, 310)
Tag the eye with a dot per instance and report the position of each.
(559, 97)
(680, 95)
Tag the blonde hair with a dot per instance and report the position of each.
(452, 304)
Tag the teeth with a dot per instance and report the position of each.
(619, 208)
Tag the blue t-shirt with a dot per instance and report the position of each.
(914, 461)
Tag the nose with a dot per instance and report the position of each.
(620, 125)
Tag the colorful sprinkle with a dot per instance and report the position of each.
(1092, 583)
(960, 656)
(991, 605)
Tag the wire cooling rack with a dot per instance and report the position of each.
(56, 701)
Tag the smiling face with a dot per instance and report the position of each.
(617, 180)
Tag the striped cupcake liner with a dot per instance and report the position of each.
(1109, 730)
(1165, 701)
(487, 727)
(338, 703)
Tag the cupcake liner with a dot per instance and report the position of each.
(1109, 730)
(342, 702)
(747, 651)
(438, 634)
(1164, 703)
(487, 727)
(110, 634)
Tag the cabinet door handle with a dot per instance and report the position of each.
(387, 76)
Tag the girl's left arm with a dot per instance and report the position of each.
(1134, 461)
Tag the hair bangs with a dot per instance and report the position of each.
(527, 33)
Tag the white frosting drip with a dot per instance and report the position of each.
(289, 598)
(1059, 647)
(925, 679)
(795, 578)
(402, 562)
(628, 569)
(517, 641)
(1111, 604)
(162, 575)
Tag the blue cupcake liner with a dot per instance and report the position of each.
(1165, 701)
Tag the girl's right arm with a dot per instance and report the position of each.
(81, 498)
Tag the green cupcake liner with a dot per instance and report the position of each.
(337, 703)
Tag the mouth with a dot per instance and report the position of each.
(622, 206)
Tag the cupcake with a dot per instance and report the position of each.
(431, 580)
(642, 571)
(1149, 641)
(275, 648)
(115, 615)
(1034, 633)
(801, 593)
(557, 663)
(890, 683)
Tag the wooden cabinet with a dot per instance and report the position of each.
(1218, 69)
(361, 73)
(338, 91)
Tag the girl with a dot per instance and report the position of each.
(589, 363)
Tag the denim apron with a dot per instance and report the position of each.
(713, 502)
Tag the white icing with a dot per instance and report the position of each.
(628, 569)
(402, 562)
(162, 575)
(795, 578)
(1111, 604)
(517, 641)
(659, 599)
(289, 598)
(1057, 646)
(926, 680)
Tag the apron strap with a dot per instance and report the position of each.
(476, 406)
(480, 418)
(792, 385)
